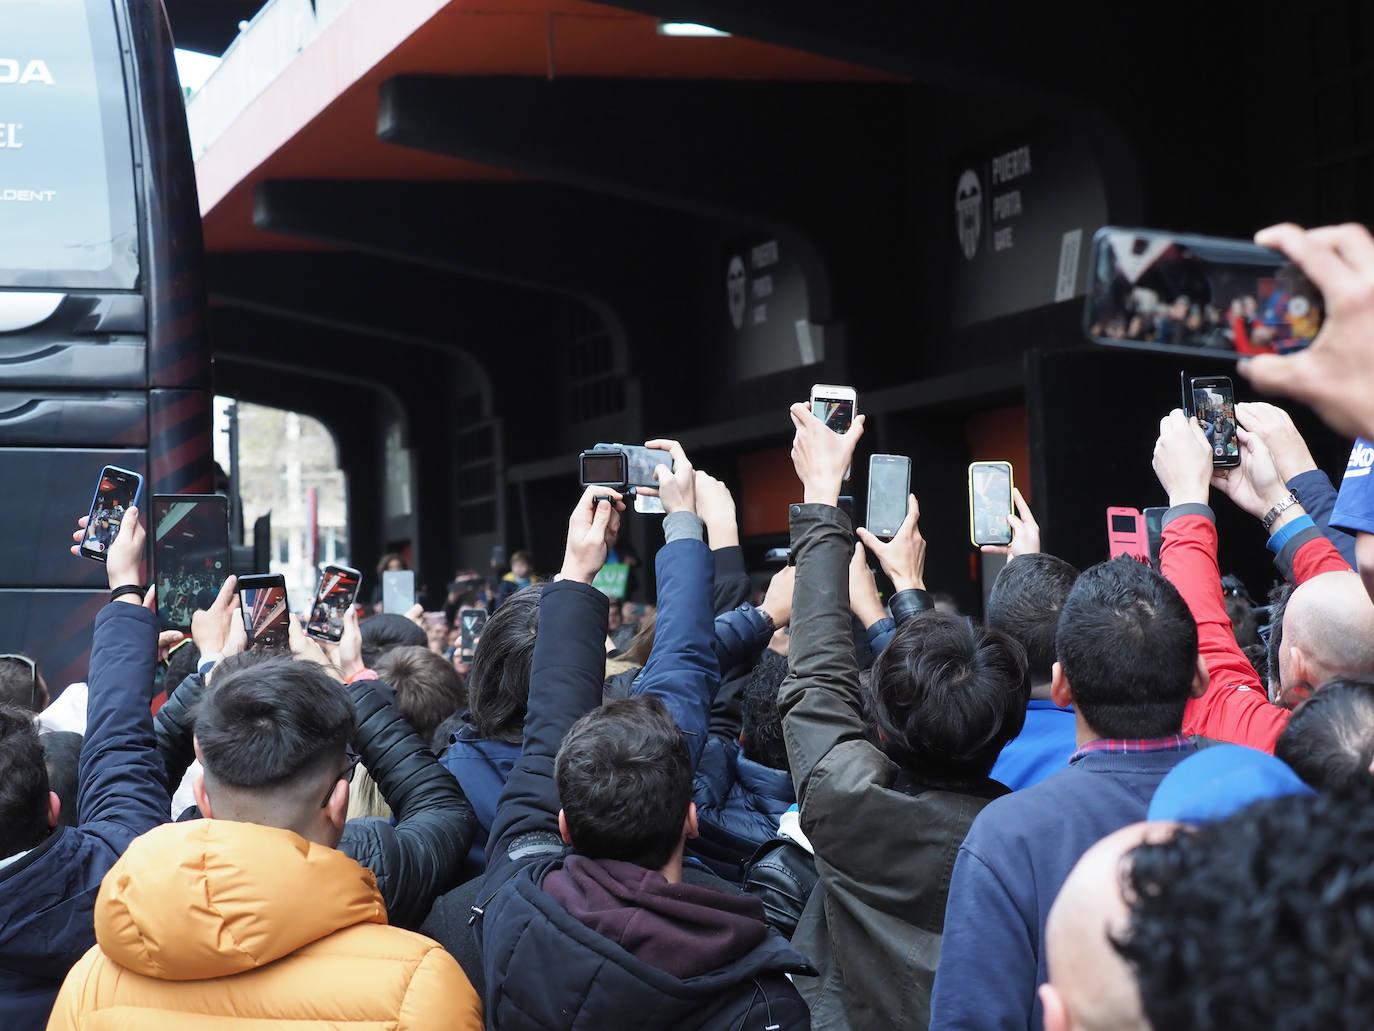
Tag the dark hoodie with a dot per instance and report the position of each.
(682, 929)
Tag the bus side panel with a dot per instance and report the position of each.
(55, 628)
(45, 491)
(65, 418)
(179, 434)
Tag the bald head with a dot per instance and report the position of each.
(1091, 988)
(1328, 632)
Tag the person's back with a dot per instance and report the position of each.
(1128, 662)
(1026, 600)
(253, 910)
(50, 872)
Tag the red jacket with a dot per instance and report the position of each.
(1236, 707)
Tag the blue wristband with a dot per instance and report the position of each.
(1287, 532)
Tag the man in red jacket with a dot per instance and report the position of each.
(1235, 707)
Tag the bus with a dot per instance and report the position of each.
(103, 351)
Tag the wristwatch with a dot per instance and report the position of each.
(1278, 510)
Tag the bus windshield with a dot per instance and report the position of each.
(67, 215)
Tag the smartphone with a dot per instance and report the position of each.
(398, 591)
(640, 462)
(1154, 532)
(116, 490)
(190, 554)
(989, 503)
(265, 616)
(603, 469)
(336, 594)
(470, 625)
(1160, 291)
(1126, 534)
(836, 406)
(889, 483)
(1211, 400)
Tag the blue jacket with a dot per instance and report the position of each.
(1011, 866)
(47, 897)
(481, 768)
(544, 968)
(739, 803)
(1318, 498)
(1045, 745)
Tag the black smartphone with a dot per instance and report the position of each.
(1161, 291)
(889, 483)
(989, 502)
(115, 492)
(336, 594)
(190, 554)
(265, 616)
(640, 462)
(603, 469)
(470, 625)
(1211, 401)
(1154, 531)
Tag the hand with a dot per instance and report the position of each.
(1335, 375)
(716, 507)
(305, 648)
(1272, 425)
(863, 589)
(416, 614)
(589, 525)
(1183, 459)
(1025, 531)
(677, 489)
(166, 641)
(125, 558)
(1254, 485)
(210, 629)
(348, 653)
(777, 601)
(904, 557)
(821, 456)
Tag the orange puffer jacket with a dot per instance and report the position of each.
(209, 920)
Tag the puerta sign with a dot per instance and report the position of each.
(763, 310)
(1024, 214)
(66, 177)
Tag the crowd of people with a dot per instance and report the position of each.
(1124, 800)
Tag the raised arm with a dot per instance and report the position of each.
(122, 783)
(820, 699)
(716, 506)
(566, 672)
(1235, 707)
(683, 669)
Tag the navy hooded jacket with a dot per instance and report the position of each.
(544, 967)
(47, 898)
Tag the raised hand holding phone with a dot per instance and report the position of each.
(820, 455)
(1183, 460)
(588, 527)
(904, 557)
(864, 600)
(1255, 485)
(1275, 429)
(1025, 531)
(677, 487)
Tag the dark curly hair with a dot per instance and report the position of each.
(1265, 919)
(762, 720)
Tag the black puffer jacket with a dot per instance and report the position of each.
(415, 861)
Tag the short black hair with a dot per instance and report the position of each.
(19, 685)
(271, 723)
(1278, 605)
(1128, 647)
(625, 782)
(1244, 624)
(945, 695)
(428, 688)
(1025, 602)
(386, 631)
(23, 783)
(1329, 740)
(62, 757)
(183, 662)
(1265, 919)
(499, 679)
(762, 719)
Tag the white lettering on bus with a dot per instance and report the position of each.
(1011, 165)
(28, 195)
(9, 135)
(12, 72)
(1005, 205)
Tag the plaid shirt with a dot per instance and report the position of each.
(1128, 746)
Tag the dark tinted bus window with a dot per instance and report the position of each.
(67, 216)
